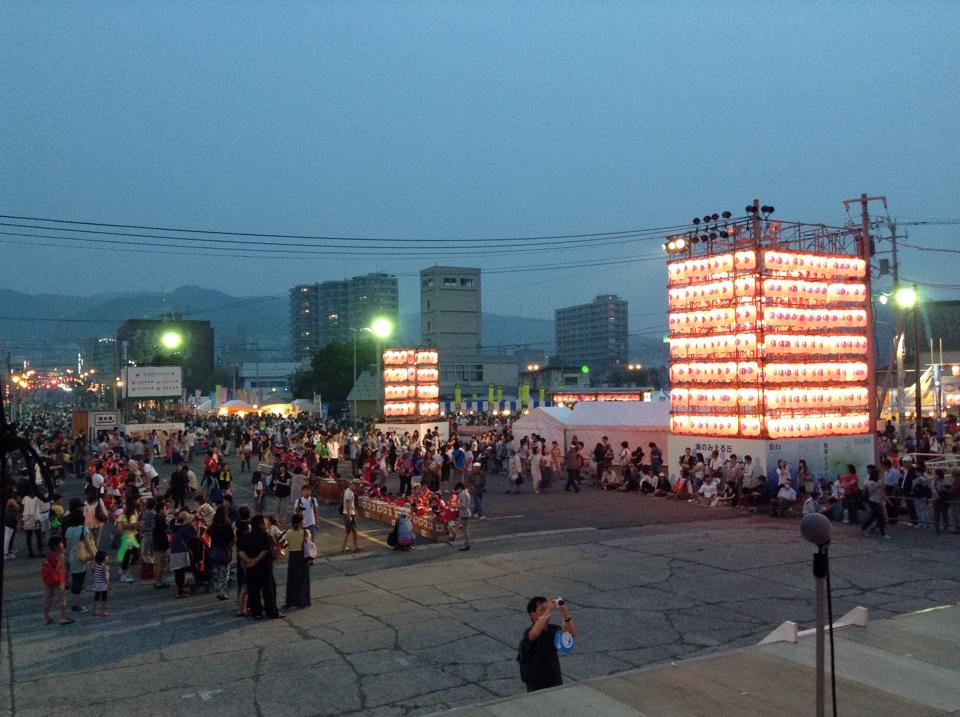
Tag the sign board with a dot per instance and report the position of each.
(140, 429)
(826, 456)
(153, 382)
(104, 421)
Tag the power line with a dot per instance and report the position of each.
(320, 237)
(269, 247)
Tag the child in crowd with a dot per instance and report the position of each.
(259, 494)
(53, 572)
(101, 584)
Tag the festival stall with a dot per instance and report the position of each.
(638, 422)
(428, 512)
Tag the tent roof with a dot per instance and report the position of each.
(644, 414)
(365, 389)
(238, 404)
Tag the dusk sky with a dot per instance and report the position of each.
(457, 120)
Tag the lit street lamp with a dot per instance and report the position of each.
(907, 298)
(171, 340)
(381, 329)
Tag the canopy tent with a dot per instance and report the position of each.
(304, 404)
(637, 423)
(235, 407)
(548, 422)
(279, 408)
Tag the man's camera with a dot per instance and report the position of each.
(560, 602)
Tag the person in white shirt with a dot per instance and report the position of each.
(32, 525)
(150, 474)
(708, 491)
(97, 479)
(307, 506)
(784, 500)
(350, 516)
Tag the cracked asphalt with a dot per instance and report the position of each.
(389, 634)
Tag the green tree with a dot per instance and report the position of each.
(331, 370)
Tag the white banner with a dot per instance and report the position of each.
(153, 382)
(139, 429)
(100, 421)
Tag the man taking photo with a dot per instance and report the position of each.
(538, 658)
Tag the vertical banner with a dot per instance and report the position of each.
(216, 397)
(543, 394)
(490, 393)
(499, 393)
(457, 397)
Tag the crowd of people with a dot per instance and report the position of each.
(192, 525)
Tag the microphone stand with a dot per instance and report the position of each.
(821, 571)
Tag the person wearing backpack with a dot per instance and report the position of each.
(307, 507)
(53, 573)
(537, 654)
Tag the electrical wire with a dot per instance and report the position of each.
(269, 247)
(320, 237)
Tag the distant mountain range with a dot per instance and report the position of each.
(47, 328)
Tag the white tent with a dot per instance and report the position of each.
(547, 422)
(637, 423)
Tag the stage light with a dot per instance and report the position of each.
(714, 216)
(726, 215)
(696, 220)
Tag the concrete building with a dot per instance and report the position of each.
(266, 380)
(100, 353)
(450, 309)
(332, 310)
(139, 344)
(594, 335)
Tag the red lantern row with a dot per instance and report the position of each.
(814, 291)
(807, 344)
(813, 318)
(814, 264)
(815, 372)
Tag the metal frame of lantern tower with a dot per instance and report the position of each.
(757, 234)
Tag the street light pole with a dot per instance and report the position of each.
(918, 396)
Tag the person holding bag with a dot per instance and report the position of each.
(298, 564)
(81, 550)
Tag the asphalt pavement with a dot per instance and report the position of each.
(647, 579)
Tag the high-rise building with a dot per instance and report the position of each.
(594, 335)
(304, 321)
(450, 309)
(100, 354)
(331, 310)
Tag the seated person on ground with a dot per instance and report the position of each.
(610, 480)
(648, 484)
(663, 486)
(784, 500)
(708, 491)
(631, 478)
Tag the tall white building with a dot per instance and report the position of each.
(450, 309)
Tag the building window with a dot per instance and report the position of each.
(428, 283)
(449, 281)
(428, 326)
(428, 304)
(467, 283)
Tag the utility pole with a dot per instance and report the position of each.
(11, 388)
(899, 338)
(863, 250)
